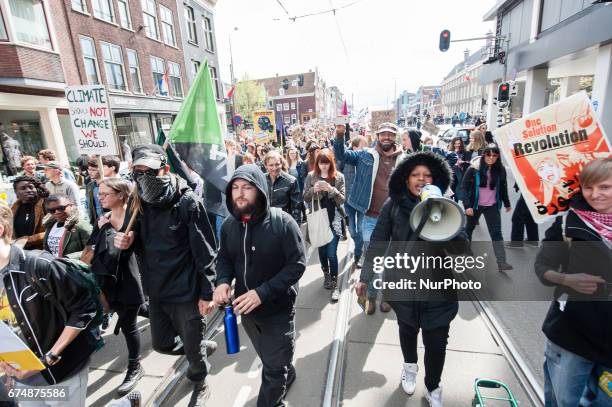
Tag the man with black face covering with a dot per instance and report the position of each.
(373, 167)
(171, 240)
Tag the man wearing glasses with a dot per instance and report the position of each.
(66, 234)
(173, 241)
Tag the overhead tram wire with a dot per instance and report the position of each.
(284, 8)
(318, 13)
(340, 30)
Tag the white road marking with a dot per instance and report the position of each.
(243, 396)
(254, 369)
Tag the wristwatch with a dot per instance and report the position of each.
(51, 358)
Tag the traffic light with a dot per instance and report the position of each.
(285, 83)
(300, 80)
(503, 92)
(444, 40)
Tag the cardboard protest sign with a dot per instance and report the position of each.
(263, 126)
(547, 149)
(91, 121)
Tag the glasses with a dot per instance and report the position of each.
(150, 171)
(58, 208)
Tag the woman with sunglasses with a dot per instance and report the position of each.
(117, 274)
(485, 191)
(66, 235)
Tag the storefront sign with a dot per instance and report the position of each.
(547, 149)
(263, 126)
(90, 118)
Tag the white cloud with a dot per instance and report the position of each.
(386, 41)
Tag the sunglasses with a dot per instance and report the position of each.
(58, 208)
(150, 171)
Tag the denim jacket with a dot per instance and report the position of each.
(366, 166)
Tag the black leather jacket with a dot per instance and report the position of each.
(285, 194)
(41, 323)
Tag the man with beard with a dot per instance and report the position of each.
(171, 240)
(373, 170)
(29, 211)
(263, 251)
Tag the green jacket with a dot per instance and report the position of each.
(75, 237)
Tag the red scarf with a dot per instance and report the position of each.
(599, 222)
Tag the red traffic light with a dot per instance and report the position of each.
(504, 88)
(445, 34)
(444, 40)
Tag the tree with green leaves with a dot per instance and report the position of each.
(249, 97)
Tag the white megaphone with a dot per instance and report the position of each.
(442, 218)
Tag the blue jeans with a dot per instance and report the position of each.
(218, 222)
(328, 256)
(355, 221)
(571, 380)
(367, 228)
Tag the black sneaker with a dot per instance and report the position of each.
(533, 244)
(200, 395)
(327, 281)
(513, 245)
(133, 375)
(503, 266)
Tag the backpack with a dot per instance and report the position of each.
(79, 273)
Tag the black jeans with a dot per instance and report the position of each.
(435, 341)
(127, 324)
(184, 320)
(493, 218)
(521, 220)
(273, 338)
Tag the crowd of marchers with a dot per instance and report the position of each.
(143, 244)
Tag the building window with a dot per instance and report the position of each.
(113, 65)
(286, 119)
(279, 107)
(157, 68)
(215, 80)
(29, 22)
(90, 60)
(124, 14)
(103, 9)
(293, 117)
(174, 75)
(195, 66)
(292, 105)
(3, 35)
(134, 71)
(79, 5)
(285, 106)
(167, 25)
(208, 34)
(150, 19)
(281, 91)
(192, 35)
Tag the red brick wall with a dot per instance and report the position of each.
(24, 62)
(89, 26)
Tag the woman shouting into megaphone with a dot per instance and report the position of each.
(432, 315)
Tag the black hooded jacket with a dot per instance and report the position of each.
(394, 225)
(261, 256)
(584, 327)
(173, 249)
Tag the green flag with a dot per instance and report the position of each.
(196, 136)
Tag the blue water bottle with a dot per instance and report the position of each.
(232, 340)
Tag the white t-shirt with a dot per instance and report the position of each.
(54, 238)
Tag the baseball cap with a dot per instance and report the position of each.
(53, 164)
(390, 127)
(149, 155)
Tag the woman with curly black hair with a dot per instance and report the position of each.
(430, 312)
(485, 191)
(29, 211)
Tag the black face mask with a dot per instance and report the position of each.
(154, 189)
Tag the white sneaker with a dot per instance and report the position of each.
(434, 398)
(409, 375)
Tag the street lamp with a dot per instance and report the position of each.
(233, 80)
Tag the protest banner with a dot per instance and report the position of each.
(15, 352)
(91, 120)
(547, 149)
(263, 126)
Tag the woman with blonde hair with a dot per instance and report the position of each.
(477, 144)
(117, 274)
